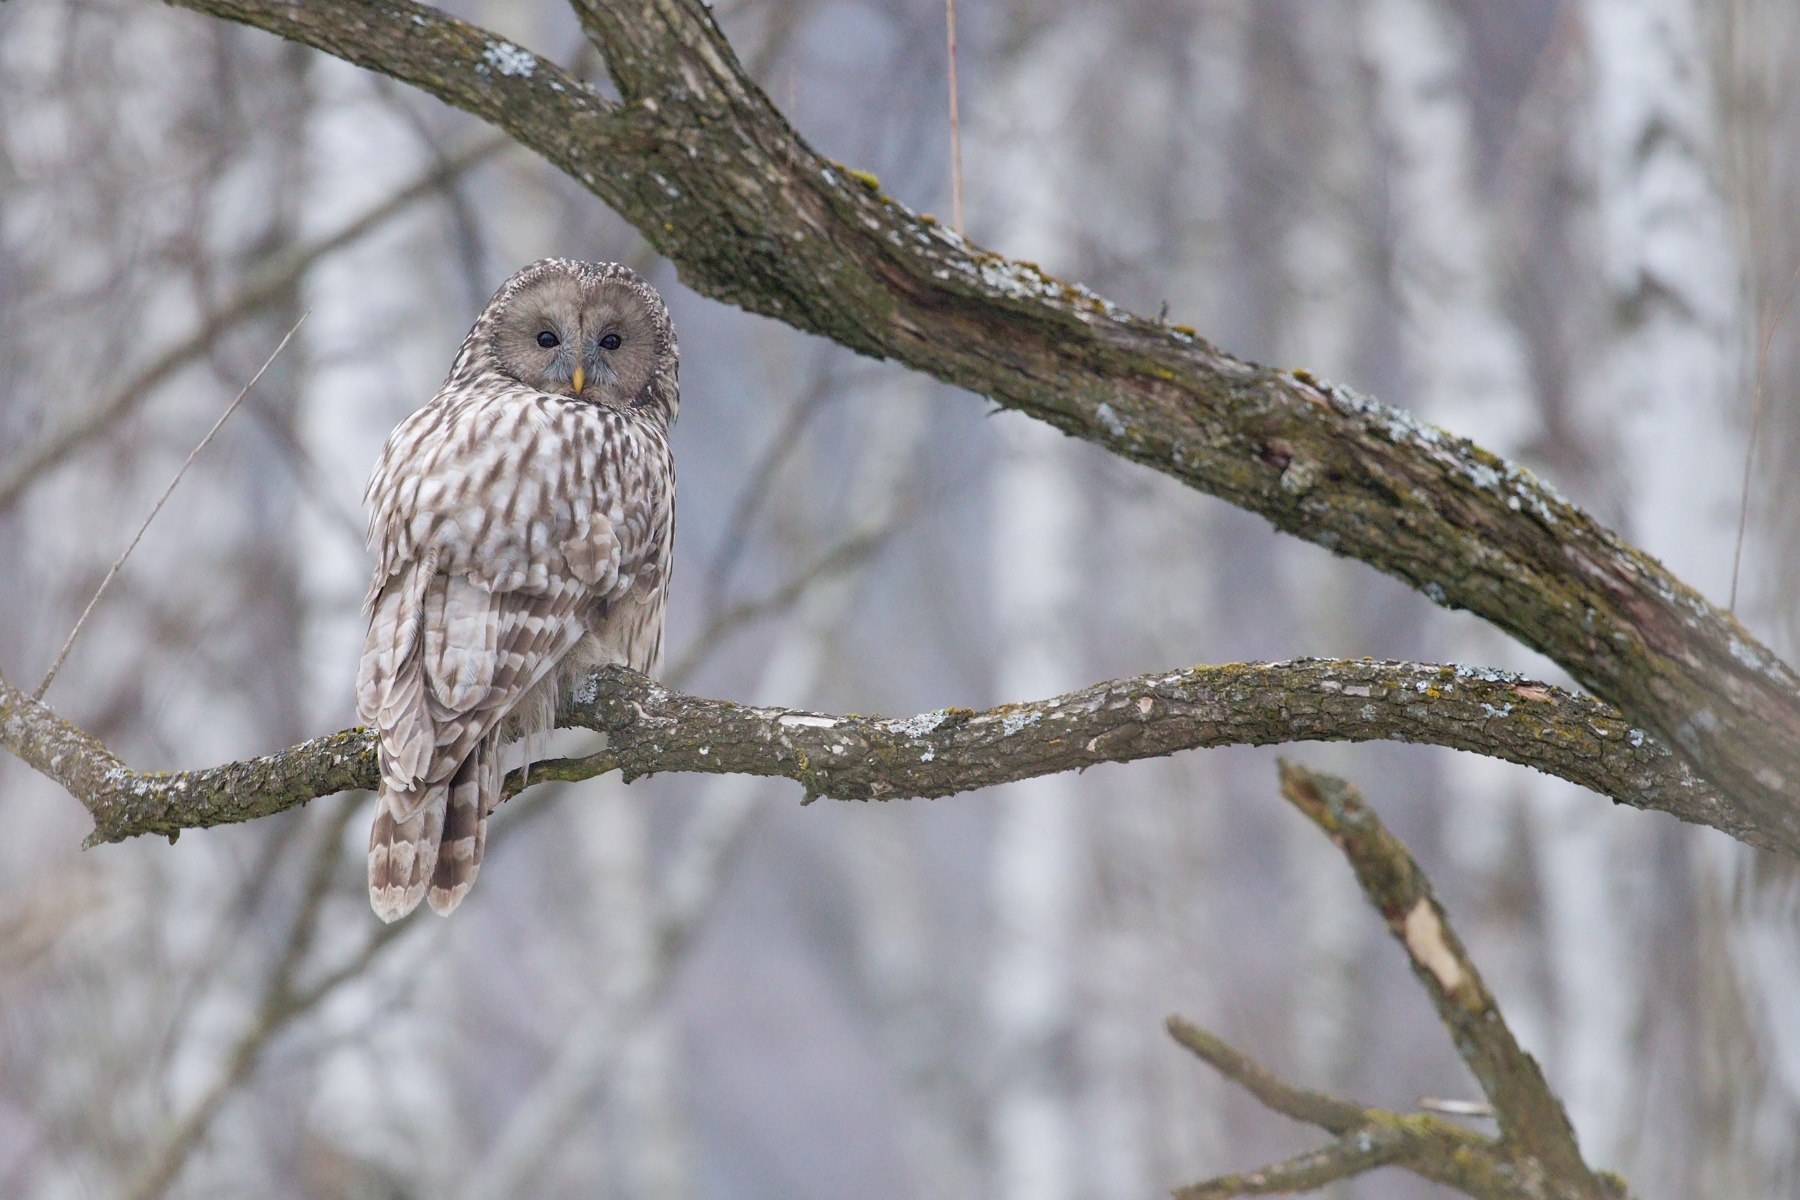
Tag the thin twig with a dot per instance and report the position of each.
(1456, 1108)
(841, 558)
(276, 1006)
(1528, 1112)
(956, 182)
(263, 288)
(1534, 1158)
(541, 1120)
(822, 386)
(112, 571)
(1756, 410)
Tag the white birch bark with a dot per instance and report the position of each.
(1022, 173)
(1750, 902)
(1664, 387)
(1037, 852)
(380, 335)
(1324, 323)
(1469, 370)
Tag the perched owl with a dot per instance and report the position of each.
(522, 523)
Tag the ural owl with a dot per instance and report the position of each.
(523, 523)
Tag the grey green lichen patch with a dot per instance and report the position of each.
(510, 60)
(920, 725)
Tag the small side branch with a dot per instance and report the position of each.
(1535, 1157)
(1528, 1113)
(1363, 1150)
(651, 729)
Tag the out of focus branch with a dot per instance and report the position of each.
(265, 287)
(541, 1119)
(282, 999)
(652, 729)
(839, 559)
(1535, 1156)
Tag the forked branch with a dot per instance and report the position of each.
(1535, 1156)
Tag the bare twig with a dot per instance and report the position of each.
(1534, 1158)
(735, 533)
(956, 182)
(585, 1057)
(277, 1005)
(1528, 1112)
(69, 642)
(1456, 1108)
(1756, 411)
(265, 287)
(1361, 1150)
(840, 559)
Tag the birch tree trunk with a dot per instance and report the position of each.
(1022, 179)
(1324, 323)
(388, 1100)
(1153, 938)
(1469, 370)
(1749, 903)
(1663, 394)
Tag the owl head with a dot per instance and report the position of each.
(592, 331)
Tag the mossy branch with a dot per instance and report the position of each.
(1535, 1156)
(652, 729)
(696, 158)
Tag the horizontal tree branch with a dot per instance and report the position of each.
(696, 157)
(652, 729)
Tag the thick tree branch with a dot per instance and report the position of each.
(705, 167)
(1534, 1158)
(652, 729)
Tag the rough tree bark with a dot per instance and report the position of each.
(697, 158)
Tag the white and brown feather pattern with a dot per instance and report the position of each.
(523, 529)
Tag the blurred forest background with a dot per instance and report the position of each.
(1564, 229)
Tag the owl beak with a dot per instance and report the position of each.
(579, 380)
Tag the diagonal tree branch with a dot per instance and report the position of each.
(1534, 1158)
(266, 286)
(696, 157)
(651, 729)
(1529, 1114)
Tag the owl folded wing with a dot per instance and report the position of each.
(450, 653)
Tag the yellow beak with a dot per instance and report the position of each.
(579, 380)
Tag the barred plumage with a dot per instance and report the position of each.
(523, 524)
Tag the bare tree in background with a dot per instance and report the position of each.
(1559, 229)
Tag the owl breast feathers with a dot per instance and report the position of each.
(523, 524)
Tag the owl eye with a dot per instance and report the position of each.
(610, 342)
(547, 339)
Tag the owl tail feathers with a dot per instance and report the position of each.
(434, 852)
(474, 791)
(403, 852)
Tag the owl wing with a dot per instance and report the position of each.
(490, 551)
